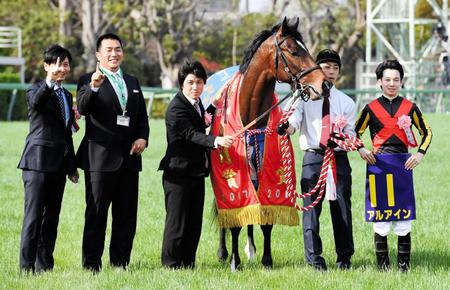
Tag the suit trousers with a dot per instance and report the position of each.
(184, 200)
(120, 190)
(43, 197)
(340, 209)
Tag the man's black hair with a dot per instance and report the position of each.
(108, 36)
(389, 64)
(54, 51)
(191, 67)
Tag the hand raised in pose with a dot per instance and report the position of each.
(97, 77)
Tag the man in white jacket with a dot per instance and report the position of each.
(340, 111)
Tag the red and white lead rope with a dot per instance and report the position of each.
(344, 141)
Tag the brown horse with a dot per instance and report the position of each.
(274, 55)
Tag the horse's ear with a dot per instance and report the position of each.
(297, 20)
(284, 25)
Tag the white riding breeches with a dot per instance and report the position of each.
(400, 228)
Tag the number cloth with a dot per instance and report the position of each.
(390, 189)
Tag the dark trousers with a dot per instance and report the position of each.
(341, 215)
(184, 199)
(120, 189)
(43, 196)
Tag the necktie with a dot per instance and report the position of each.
(60, 94)
(120, 85)
(325, 134)
(197, 107)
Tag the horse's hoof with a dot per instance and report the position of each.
(235, 267)
(250, 251)
(235, 264)
(222, 254)
(267, 262)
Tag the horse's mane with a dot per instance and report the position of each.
(291, 30)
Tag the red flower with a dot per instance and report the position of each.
(208, 119)
(75, 111)
(404, 122)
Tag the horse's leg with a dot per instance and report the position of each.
(235, 260)
(222, 252)
(267, 255)
(250, 248)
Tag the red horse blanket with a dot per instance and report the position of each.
(238, 202)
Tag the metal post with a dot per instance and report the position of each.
(412, 46)
(12, 101)
(151, 96)
(445, 22)
(368, 32)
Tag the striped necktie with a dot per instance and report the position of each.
(197, 107)
(60, 94)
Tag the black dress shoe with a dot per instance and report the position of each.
(175, 266)
(344, 265)
(94, 269)
(188, 265)
(27, 271)
(322, 267)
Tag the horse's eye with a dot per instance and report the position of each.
(294, 52)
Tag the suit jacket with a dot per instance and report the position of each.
(106, 146)
(187, 144)
(49, 142)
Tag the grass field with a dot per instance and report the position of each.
(430, 234)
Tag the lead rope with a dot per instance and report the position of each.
(344, 141)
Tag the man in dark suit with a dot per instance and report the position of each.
(46, 160)
(110, 154)
(185, 166)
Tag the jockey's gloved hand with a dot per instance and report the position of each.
(281, 129)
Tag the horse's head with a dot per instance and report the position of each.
(292, 62)
(280, 55)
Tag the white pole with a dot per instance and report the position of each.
(412, 42)
(368, 41)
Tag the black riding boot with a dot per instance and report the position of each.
(404, 252)
(382, 253)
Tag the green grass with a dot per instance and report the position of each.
(430, 234)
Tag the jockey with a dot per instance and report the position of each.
(389, 118)
(316, 120)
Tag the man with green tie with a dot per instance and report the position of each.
(110, 154)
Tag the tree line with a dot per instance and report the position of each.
(159, 34)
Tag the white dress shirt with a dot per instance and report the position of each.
(307, 118)
(193, 102)
(115, 77)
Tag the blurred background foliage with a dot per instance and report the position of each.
(159, 34)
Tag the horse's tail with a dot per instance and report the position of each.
(215, 215)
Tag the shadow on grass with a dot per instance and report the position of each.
(431, 260)
(144, 265)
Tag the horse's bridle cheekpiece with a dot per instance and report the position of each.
(300, 89)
